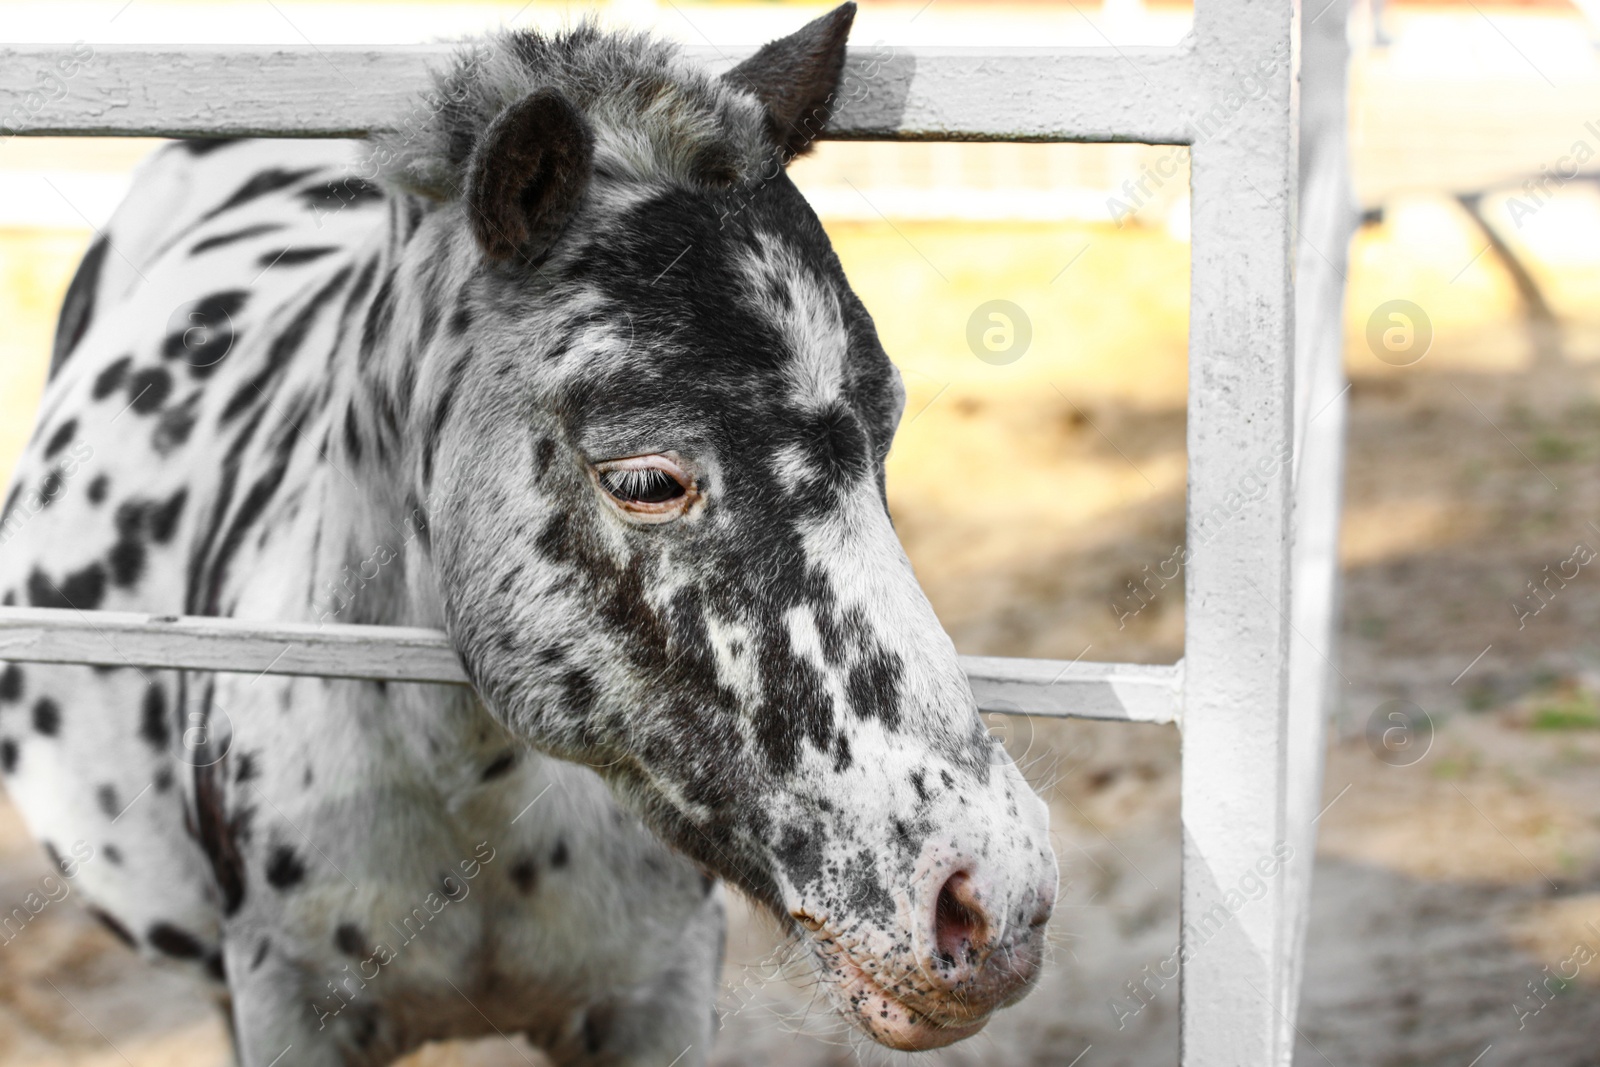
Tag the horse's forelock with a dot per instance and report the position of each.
(657, 117)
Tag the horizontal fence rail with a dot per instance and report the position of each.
(1050, 688)
(888, 94)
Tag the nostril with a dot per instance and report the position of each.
(959, 922)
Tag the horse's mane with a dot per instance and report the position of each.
(656, 115)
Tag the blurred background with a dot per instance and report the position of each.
(1454, 886)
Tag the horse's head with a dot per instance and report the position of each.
(664, 546)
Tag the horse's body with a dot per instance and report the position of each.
(646, 505)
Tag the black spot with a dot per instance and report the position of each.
(98, 488)
(363, 1024)
(259, 185)
(204, 146)
(358, 293)
(380, 313)
(284, 868)
(796, 706)
(597, 1023)
(162, 519)
(82, 589)
(866, 896)
(110, 380)
(61, 438)
(163, 780)
(441, 413)
(175, 425)
(283, 348)
(874, 688)
(148, 389)
(544, 454)
(525, 873)
(50, 488)
(113, 854)
(153, 725)
(502, 763)
(8, 756)
(110, 922)
(248, 769)
(207, 332)
(290, 257)
(429, 324)
(917, 784)
(460, 319)
(346, 192)
(127, 558)
(350, 940)
(171, 941)
(799, 852)
(110, 803)
(77, 308)
(352, 436)
(508, 580)
(222, 240)
(47, 717)
(10, 684)
(261, 954)
(244, 519)
(558, 855)
(842, 759)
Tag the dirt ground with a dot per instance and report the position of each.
(1027, 496)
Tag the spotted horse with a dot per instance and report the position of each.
(567, 367)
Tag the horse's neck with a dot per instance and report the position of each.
(371, 548)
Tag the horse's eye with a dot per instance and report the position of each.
(652, 488)
(641, 486)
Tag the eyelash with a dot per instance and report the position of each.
(642, 485)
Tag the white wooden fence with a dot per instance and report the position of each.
(1265, 415)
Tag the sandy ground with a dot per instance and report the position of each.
(1028, 495)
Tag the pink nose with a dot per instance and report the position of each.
(977, 953)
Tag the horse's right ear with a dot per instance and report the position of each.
(797, 78)
(528, 174)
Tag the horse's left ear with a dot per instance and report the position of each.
(797, 77)
(528, 174)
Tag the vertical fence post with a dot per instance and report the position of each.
(1327, 220)
(1237, 624)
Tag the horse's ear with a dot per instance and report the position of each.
(797, 77)
(528, 174)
